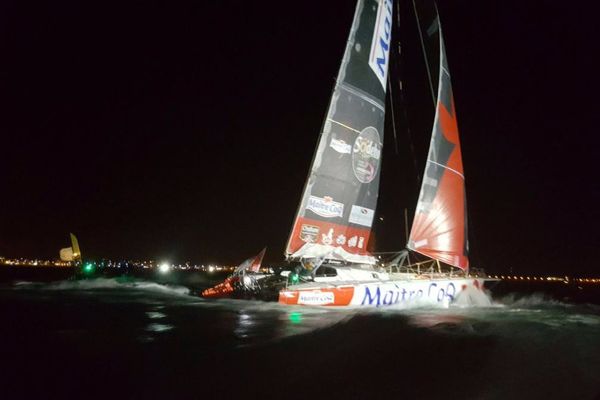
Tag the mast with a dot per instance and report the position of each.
(335, 215)
(439, 227)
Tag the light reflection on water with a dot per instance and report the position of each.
(155, 315)
(164, 310)
(158, 327)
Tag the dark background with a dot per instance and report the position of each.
(184, 130)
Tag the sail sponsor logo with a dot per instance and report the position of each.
(387, 296)
(380, 45)
(325, 207)
(366, 153)
(327, 239)
(309, 233)
(339, 239)
(316, 298)
(367, 148)
(420, 243)
(361, 216)
(340, 146)
(356, 241)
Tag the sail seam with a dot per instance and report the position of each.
(445, 70)
(448, 168)
(360, 94)
(345, 126)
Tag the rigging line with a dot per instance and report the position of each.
(402, 97)
(386, 252)
(424, 53)
(405, 114)
(393, 117)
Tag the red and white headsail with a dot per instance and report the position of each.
(257, 261)
(439, 228)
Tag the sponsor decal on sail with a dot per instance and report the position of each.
(340, 146)
(340, 239)
(325, 206)
(309, 233)
(327, 238)
(366, 154)
(316, 298)
(420, 243)
(380, 46)
(356, 241)
(361, 216)
(353, 238)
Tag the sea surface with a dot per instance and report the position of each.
(112, 337)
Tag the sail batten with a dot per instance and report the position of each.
(439, 228)
(338, 204)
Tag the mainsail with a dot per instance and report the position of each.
(336, 212)
(439, 229)
(66, 254)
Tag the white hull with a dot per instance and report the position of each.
(392, 291)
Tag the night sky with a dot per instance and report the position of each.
(185, 130)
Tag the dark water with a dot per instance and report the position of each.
(143, 339)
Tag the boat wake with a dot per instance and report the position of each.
(105, 283)
(515, 300)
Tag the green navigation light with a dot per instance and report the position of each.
(295, 278)
(88, 268)
(295, 317)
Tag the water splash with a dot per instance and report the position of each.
(105, 283)
(535, 300)
(473, 297)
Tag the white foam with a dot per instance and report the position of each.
(534, 300)
(107, 283)
(472, 297)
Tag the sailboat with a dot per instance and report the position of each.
(71, 254)
(335, 217)
(244, 282)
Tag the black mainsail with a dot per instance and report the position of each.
(338, 204)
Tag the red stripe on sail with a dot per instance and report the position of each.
(439, 233)
(449, 128)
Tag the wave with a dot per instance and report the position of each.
(535, 300)
(105, 283)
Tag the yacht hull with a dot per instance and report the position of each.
(390, 293)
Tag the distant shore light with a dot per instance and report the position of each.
(164, 268)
